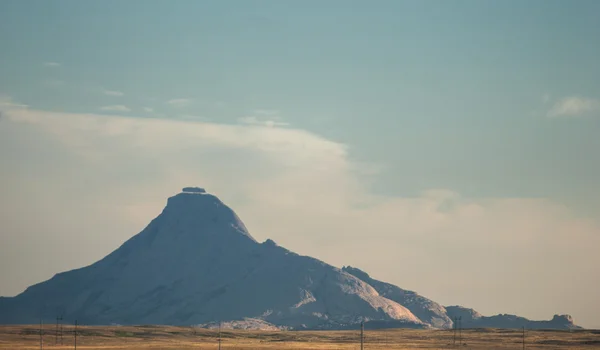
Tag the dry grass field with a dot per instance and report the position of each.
(164, 337)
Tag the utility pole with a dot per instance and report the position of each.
(523, 337)
(362, 335)
(61, 330)
(460, 330)
(454, 330)
(41, 334)
(75, 333)
(56, 334)
(219, 335)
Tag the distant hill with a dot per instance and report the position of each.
(472, 319)
(197, 264)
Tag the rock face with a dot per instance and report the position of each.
(472, 319)
(197, 264)
(426, 310)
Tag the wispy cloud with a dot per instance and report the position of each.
(263, 117)
(8, 103)
(253, 120)
(113, 93)
(179, 102)
(116, 108)
(51, 64)
(148, 109)
(573, 106)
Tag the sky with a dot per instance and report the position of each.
(448, 147)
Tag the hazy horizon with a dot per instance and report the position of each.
(450, 148)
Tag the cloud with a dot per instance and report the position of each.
(113, 93)
(8, 103)
(179, 102)
(116, 108)
(573, 106)
(263, 117)
(51, 64)
(148, 109)
(95, 180)
(253, 120)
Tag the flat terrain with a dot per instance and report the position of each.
(165, 337)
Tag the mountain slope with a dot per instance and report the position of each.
(425, 309)
(196, 263)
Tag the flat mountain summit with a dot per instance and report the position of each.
(197, 264)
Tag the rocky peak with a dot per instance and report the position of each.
(196, 210)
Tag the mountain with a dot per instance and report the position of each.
(197, 264)
(473, 319)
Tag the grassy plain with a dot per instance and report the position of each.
(166, 337)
